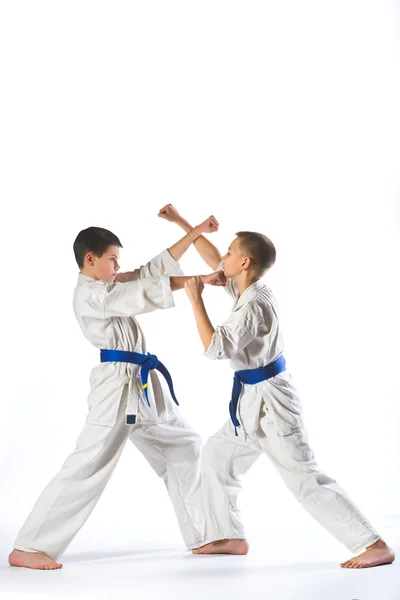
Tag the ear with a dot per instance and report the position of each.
(89, 259)
(246, 262)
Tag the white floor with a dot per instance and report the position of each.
(296, 567)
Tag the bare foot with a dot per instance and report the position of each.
(224, 547)
(374, 556)
(32, 560)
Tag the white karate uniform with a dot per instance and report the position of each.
(106, 313)
(271, 422)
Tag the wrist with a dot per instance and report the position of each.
(197, 230)
(197, 301)
(184, 224)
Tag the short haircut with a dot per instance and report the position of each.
(257, 247)
(93, 239)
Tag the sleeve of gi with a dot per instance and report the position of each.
(230, 287)
(162, 264)
(107, 300)
(234, 335)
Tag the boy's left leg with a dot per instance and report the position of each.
(321, 496)
(173, 449)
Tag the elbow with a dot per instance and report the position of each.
(215, 262)
(219, 354)
(224, 356)
(220, 347)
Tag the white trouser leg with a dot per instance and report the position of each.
(225, 458)
(70, 497)
(173, 450)
(318, 493)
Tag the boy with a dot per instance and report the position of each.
(128, 400)
(265, 411)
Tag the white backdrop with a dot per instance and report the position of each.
(275, 117)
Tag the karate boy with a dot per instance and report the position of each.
(265, 411)
(128, 400)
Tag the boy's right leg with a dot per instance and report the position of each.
(225, 458)
(70, 497)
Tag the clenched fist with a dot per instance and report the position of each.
(194, 288)
(209, 225)
(169, 213)
(217, 278)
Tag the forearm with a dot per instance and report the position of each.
(178, 283)
(204, 325)
(178, 249)
(208, 252)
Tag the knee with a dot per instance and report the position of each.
(195, 448)
(305, 485)
(210, 457)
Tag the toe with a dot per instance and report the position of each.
(350, 565)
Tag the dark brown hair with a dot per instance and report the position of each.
(257, 247)
(93, 239)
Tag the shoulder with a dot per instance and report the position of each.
(261, 305)
(92, 291)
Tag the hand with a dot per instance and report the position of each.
(169, 213)
(194, 288)
(217, 278)
(209, 225)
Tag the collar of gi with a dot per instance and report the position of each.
(82, 278)
(249, 293)
(85, 278)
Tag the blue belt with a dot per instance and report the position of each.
(147, 362)
(252, 376)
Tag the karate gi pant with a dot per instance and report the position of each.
(170, 446)
(226, 457)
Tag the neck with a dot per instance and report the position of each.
(244, 280)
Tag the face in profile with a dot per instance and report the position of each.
(234, 260)
(106, 267)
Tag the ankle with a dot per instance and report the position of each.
(379, 545)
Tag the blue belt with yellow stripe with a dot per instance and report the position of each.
(147, 362)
